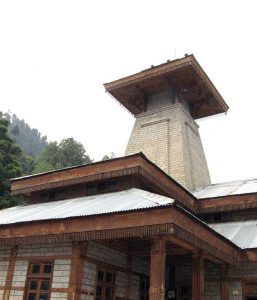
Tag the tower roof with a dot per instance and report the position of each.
(185, 75)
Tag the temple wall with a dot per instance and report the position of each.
(183, 271)
(128, 272)
(89, 279)
(56, 249)
(183, 276)
(61, 273)
(25, 253)
(4, 262)
(106, 254)
(3, 272)
(212, 281)
(99, 255)
(237, 277)
(20, 273)
(247, 272)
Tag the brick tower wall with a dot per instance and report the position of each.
(168, 135)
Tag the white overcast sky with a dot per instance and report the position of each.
(55, 56)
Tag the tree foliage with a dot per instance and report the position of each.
(29, 139)
(67, 153)
(9, 166)
(23, 152)
(27, 164)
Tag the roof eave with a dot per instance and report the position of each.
(116, 86)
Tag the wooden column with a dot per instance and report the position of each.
(157, 271)
(224, 281)
(9, 277)
(128, 277)
(77, 270)
(197, 276)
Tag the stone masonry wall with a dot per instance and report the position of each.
(20, 273)
(4, 262)
(237, 276)
(248, 271)
(168, 135)
(61, 273)
(45, 249)
(89, 280)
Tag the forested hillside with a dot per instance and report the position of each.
(29, 139)
(23, 151)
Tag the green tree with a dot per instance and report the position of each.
(48, 159)
(72, 153)
(66, 154)
(27, 164)
(9, 166)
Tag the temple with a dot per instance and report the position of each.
(149, 225)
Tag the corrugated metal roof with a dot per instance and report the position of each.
(228, 188)
(243, 234)
(132, 199)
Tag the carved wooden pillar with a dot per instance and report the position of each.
(157, 272)
(224, 281)
(77, 270)
(197, 276)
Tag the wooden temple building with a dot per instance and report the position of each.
(149, 225)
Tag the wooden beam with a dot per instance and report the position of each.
(213, 259)
(171, 221)
(136, 165)
(197, 276)
(10, 271)
(169, 251)
(224, 281)
(227, 203)
(248, 255)
(180, 243)
(157, 271)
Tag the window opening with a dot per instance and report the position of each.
(105, 285)
(39, 279)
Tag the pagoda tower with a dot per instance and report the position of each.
(166, 100)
